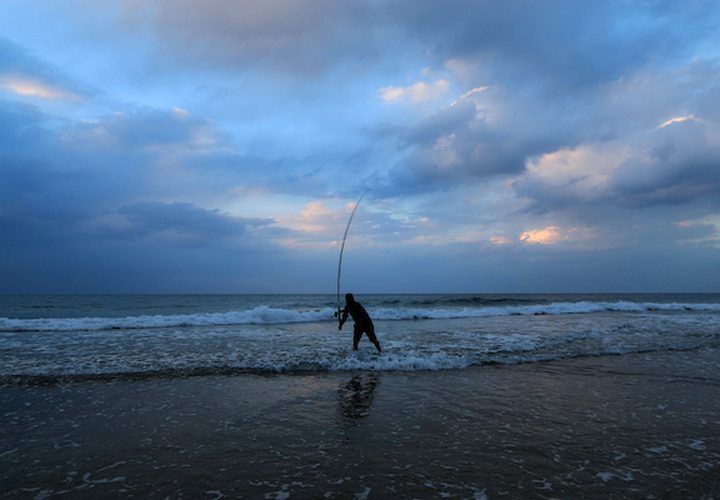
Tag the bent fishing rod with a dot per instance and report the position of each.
(342, 249)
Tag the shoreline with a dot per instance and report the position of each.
(644, 424)
(30, 380)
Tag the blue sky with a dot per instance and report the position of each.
(219, 146)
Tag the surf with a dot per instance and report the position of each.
(267, 315)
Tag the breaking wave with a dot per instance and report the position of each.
(262, 315)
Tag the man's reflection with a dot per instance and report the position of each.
(355, 397)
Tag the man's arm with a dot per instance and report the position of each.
(343, 318)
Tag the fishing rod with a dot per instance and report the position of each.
(342, 249)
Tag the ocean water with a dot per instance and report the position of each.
(77, 337)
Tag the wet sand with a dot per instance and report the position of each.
(643, 425)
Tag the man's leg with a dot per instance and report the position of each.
(373, 338)
(357, 334)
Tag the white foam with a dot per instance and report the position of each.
(269, 315)
(401, 362)
(556, 308)
(605, 476)
(257, 315)
(290, 350)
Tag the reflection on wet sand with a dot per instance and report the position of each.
(355, 397)
(632, 426)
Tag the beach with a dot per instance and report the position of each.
(359, 249)
(637, 425)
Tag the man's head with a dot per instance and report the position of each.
(349, 299)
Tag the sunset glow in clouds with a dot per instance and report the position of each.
(219, 146)
(31, 88)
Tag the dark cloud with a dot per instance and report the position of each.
(453, 119)
(21, 129)
(521, 118)
(175, 223)
(550, 64)
(141, 129)
(62, 183)
(41, 188)
(298, 36)
(531, 82)
(459, 145)
(682, 165)
(51, 176)
(19, 64)
(678, 164)
(564, 43)
(174, 148)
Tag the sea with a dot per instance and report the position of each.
(77, 337)
(474, 396)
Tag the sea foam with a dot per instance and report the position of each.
(261, 315)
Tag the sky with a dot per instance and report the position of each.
(178, 146)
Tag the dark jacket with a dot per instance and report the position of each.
(357, 311)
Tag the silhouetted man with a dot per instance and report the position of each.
(363, 323)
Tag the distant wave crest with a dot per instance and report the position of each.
(267, 315)
(257, 315)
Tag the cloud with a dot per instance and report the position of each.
(487, 133)
(30, 87)
(699, 231)
(517, 38)
(416, 93)
(21, 125)
(567, 237)
(533, 130)
(679, 166)
(506, 122)
(500, 240)
(677, 119)
(634, 157)
(549, 235)
(567, 177)
(24, 75)
(523, 39)
(444, 123)
(291, 36)
(472, 92)
(174, 223)
(42, 190)
(146, 128)
(63, 179)
(316, 218)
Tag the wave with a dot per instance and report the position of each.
(413, 362)
(261, 315)
(317, 348)
(477, 300)
(257, 315)
(386, 362)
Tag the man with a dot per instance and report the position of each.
(363, 323)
